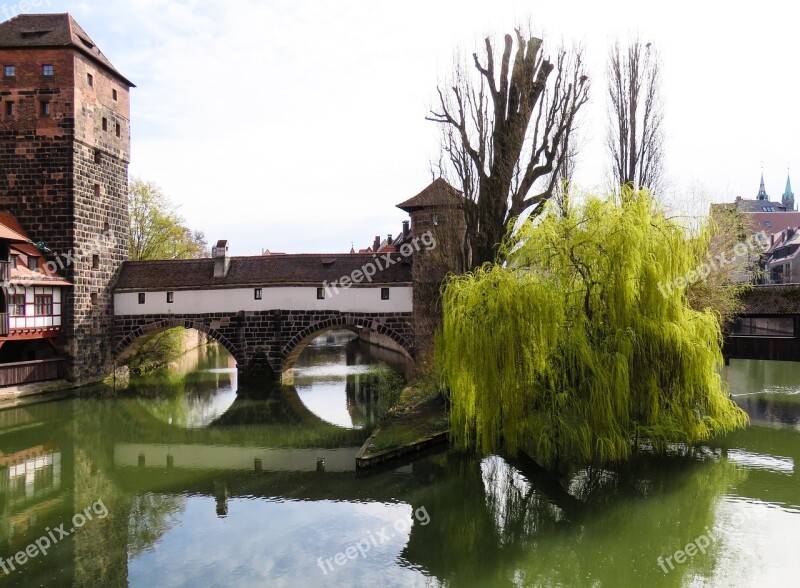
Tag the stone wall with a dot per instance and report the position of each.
(267, 340)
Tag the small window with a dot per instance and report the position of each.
(9, 71)
(96, 190)
(768, 224)
(141, 297)
(118, 129)
(90, 79)
(320, 293)
(105, 124)
(14, 259)
(33, 262)
(434, 219)
(106, 228)
(44, 108)
(96, 261)
(17, 305)
(170, 297)
(47, 70)
(114, 94)
(43, 304)
(257, 294)
(9, 108)
(384, 293)
(93, 297)
(98, 156)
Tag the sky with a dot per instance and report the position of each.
(298, 125)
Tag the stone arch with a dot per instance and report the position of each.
(296, 344)
(159, 325)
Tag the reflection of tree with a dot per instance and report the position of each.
(151, 516)
(508, 525)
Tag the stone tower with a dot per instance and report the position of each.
(439, 208)
(64, 153)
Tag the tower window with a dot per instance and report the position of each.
(320, 293)
(118, 129)
(114, 94)
(95, 261)
(47, 70)
(257, 294)
(90, 79)
(9, 109)
(434, 219)
(97, 190)
(98, 156)
(93, 297)
(105, 124)
(170, 297)
(141, 297)
(384, 293)
(9, 71)
(44, 108)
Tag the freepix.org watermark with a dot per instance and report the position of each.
(754, 243)
(8, 11)
(363, 546)
(369, 270)
(52, 536)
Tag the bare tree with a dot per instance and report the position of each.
(636, 111)
(505, 134)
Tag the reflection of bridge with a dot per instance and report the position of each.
(265, 309)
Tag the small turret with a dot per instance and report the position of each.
(762, 192)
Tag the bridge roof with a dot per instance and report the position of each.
(297, 270)
(772, 299)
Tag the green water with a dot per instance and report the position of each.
(198, 481)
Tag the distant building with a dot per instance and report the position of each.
(782, 259)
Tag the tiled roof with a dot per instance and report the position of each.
(300, 269)
(772, 222)
(773, 299)
(438, 193)
(10, 229)
(52, 30)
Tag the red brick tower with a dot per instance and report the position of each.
(64, 154)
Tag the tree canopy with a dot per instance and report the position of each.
(157, 231)
(574, 351)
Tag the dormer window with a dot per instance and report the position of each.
(9, 71)
(33, 262)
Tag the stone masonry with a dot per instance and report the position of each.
(267, 342)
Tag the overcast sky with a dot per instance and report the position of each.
(297, 126)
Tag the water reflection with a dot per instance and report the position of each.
(208, 489)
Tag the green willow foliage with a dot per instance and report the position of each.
(570, 352)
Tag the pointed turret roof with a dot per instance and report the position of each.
(53, 31)
(438, 193)
(762, 192)
(787, 193)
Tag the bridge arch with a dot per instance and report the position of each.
(168, 323)
(292, 350)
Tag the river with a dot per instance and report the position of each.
(196, 480)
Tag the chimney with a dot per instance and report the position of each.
(376, 244)
(221, 260)
(389, 239)
(406, 228)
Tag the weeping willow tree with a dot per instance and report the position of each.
(574, 350)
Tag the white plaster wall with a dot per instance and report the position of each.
(284, 298)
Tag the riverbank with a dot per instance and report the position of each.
(416, 422)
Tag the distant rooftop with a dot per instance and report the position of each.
(52, 31)
(438, 193)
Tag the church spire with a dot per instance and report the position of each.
(762, 192)
(788, 195)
